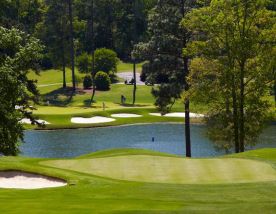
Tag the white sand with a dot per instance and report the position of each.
(28, 121)
(124, 115)
(92, 120)
(178, 114)
(24, 180)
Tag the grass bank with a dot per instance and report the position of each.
(97, 189)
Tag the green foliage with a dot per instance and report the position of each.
(53, 31)
(78, 79)
(163, 51)
(11, 129)
(102, 81)
(106, 60)
(84, 63)
(19, 54)
(165, 94)
(87, 82)
(22, 14)
(234, 52)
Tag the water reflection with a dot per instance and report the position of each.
(168, 138)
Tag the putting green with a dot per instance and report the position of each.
(157, 169)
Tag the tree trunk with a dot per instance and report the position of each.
(187, 129)
(63, 70)
(134, 8)
(187, 112)
(186, 87)
(274, 74)
(134, 84)
(72, 51)
(235, 117)
(241, 108)
(93, 73)
(63, 57)
(275, 92)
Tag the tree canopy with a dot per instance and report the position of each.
(19, 53)
(233, 50)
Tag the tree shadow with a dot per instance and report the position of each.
(131, 105)
(87, 103)
(60, 97)
(114, 78)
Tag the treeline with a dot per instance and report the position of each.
(117, 25)
(217, 53)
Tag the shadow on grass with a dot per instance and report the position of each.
(131, 105)
(61, 97)
(87, 103)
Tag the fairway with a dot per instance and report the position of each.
(174, 170)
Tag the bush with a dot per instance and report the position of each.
(79, 79)
(102, 81)
(46, 62)
(87, 82)
(84, 63)
(106, 60)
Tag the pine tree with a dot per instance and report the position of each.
(166, 63)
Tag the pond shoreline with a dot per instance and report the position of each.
(111, 126)
(51, 127)
(166, 137)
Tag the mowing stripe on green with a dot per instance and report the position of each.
(157, 169)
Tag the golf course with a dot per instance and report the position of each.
(127, 180)
(141, 181)
(137, 107)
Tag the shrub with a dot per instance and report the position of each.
(87, 82)
(46, 62)
(106, 60)
(84, 63)
(102, 81)
(79, 79)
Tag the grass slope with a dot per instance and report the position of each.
(157, 169)
(64, 104)
(91, 194)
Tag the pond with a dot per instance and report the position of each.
(167, 138)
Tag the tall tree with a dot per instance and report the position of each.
(54, 31)
(134, 31)
(166, 64)
(19, 54)
(93, 45)
(72, 47)
(22, 14)
(234, 49)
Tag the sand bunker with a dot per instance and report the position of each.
(124, 115)
(178, 114)
(28, 121)
(92, 120)
(24, 180)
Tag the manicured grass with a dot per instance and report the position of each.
(54, 76)
(64, 104)
(124, 67)
(171, 169)
(60, 118)
(87, 193)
